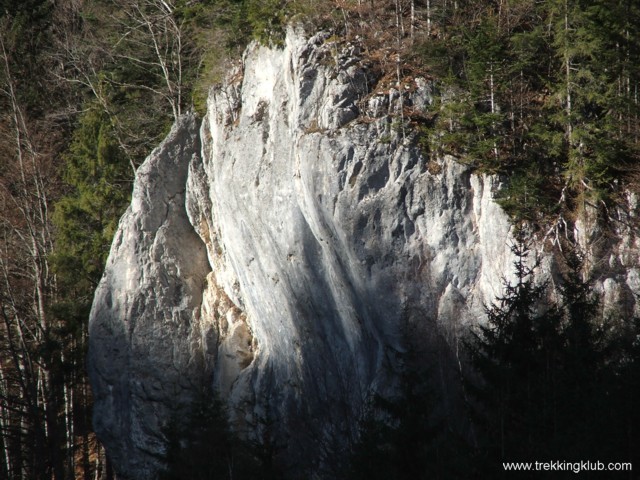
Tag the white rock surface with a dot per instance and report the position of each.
(321, 234)
(149, 347)
(327, 233)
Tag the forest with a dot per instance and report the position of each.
(542, 93)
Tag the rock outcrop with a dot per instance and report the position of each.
(282, 260)
(149, 347)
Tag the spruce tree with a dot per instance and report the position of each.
(407, 435)
(202, 446)
(99, 179)
(552, 382)
(623, 415)
(513, 354)
(199, 441)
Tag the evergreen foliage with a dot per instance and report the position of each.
(548, 381)
(407, 436)
(513, 352)
(541, 90)
(543, 93)
(202, 446)
(267, 19)
(99, 177)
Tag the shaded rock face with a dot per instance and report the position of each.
(281, 254)
(148, 347)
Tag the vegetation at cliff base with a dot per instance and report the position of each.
(546, 380)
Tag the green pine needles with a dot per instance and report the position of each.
(98, 176)
(550, 376)
(541, 90)
(545, 378)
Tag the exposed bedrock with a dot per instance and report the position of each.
(280, 254)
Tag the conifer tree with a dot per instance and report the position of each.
(199, 441)
(622, 407)
(99, 178)
(513, 354)
(202, 446)
(550, 381)
(407, 435)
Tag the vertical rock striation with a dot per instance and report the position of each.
(283, 259)
(328, 233)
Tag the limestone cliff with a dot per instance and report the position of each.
(279, 252)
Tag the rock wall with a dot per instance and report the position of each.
(283, 259)
(149, 346)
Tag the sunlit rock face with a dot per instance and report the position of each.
(327, 232)
(282, 254)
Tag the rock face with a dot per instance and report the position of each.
(149, 346)
(283, 259)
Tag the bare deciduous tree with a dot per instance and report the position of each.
(153, 27)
